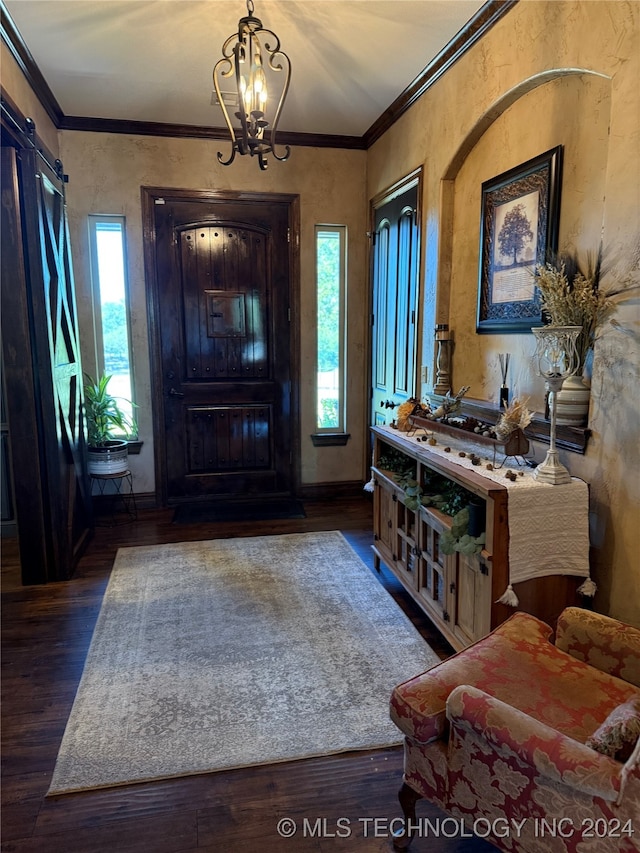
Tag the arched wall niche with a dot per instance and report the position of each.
(566, 106)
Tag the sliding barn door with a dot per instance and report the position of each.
(42, 366)
(396, 262)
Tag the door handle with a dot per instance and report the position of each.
(174, 393)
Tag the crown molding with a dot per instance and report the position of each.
(475, 29)
(191, 131)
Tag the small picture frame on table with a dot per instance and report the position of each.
(518, 230)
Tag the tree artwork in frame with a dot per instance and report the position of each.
(518, 231)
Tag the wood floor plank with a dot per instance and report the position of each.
(46, 632)
(19, 821)
(167, 833)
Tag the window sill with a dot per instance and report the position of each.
(330, 439)
(134, 446)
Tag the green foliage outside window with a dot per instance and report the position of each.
(114, 337)
(328, 276)
(330, 321)
(328, 414)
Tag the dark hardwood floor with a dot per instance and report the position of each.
(46, 632)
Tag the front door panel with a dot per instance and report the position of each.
(224, 310)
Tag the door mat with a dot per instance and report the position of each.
(264, 509)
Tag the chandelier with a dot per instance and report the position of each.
(252, 57)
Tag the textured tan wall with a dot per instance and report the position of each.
(14, 83)
(565, 103)
(106, 172)
(522, 90)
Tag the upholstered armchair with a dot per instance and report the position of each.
(533, 745)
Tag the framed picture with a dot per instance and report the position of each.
(518, 231)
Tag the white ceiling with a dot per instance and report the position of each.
(152, 60)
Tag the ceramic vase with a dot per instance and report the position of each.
(573, 402)
(109, 460)
(477, 517)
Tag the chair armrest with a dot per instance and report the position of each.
(549, 752)
(604, 643)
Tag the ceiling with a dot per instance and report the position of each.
(152, 60)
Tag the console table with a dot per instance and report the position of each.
(537, 540)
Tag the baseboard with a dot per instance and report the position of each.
(144, 500)
(308, 491)
(9, 529)
(322, 491)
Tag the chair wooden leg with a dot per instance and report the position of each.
(408, 799)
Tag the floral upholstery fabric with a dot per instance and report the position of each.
(548, 752)
(518, 665)
(619, 733)
(498, 733)
(602, 642)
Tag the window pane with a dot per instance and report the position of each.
(330, 299)
(112, 325)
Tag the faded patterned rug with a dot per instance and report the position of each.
(235, 652)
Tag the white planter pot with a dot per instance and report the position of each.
(111, 459)
(573, 402)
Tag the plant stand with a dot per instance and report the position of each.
(119, 498)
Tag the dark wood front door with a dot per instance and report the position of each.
(222, 319)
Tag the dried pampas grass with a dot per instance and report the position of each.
(515, 416)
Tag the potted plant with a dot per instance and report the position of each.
(104, 418)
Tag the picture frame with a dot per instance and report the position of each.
(519, 221)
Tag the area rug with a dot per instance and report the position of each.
(212, 512)
(235, 652)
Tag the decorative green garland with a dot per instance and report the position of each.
(438, 491)
(458, 539)
(395, 461)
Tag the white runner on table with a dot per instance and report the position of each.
(548, 525)
(548, 529)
